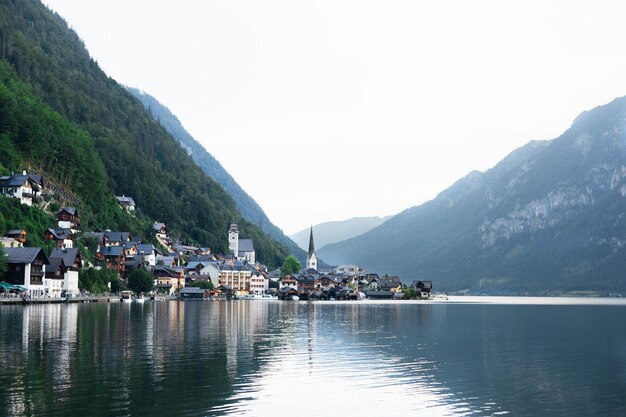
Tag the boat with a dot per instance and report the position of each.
(127, 296)
(439, 297)
(140, 299)
(295, 298)
(258, 297)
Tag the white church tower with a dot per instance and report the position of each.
(233, 240)
(311, 259)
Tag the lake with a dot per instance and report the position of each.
(482, 356)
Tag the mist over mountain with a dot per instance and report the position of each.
(550, 217)
(249, 208)
(336, 231)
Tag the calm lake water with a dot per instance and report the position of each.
(522, 357)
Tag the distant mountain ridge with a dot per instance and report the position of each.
(336, 231)
(549, 218)
(249, 208)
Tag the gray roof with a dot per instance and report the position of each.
(68, 255)
(111, 250)
(23, 255)
(125, 200)
(158, 226)
(54, 264)
(192, 290)
(60, 233)
(70, 210)
(93, 235)
(117, 236)
(246, 245)
(146, 248)
(15, 181)
(15, 232)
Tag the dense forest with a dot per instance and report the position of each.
(67, 119)
(249, 208)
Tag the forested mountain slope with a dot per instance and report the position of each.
(249, 208)
(139, 157)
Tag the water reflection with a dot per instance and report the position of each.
(324, 358)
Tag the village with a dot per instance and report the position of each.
(179, 270)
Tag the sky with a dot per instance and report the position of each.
(330, 109)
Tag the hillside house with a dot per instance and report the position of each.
(111, 257)
(160, 230)
(127, 203)
(17, 234)
(64, 238)
(68, 218)
(26, 187)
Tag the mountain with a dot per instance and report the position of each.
(549, 218)
(336, 231)
(249, 208)
(47, 66)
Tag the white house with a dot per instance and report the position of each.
(72, 261)
(26, 268)
(25, 187)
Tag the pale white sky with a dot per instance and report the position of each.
(330, 109)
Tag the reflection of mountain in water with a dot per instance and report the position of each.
(361, 359)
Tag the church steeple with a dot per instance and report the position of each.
(311, 259)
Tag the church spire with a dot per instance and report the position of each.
(311, 244)
(311, 259)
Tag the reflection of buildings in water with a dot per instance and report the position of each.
(67, 324)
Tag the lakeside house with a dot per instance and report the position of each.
(72, 264)
(26, 268)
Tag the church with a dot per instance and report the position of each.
(242, 249)
(311, 259)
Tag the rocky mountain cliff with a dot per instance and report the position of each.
(549, 218)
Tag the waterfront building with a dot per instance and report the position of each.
(236, 276)
(72, 264)
(26, 268)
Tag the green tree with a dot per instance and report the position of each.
(116, 285)
(291, 265)
(409, 293)
(205, 285)
(140, 281)
(3, 263)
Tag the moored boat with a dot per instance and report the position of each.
(127, 296)
(439, 297)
